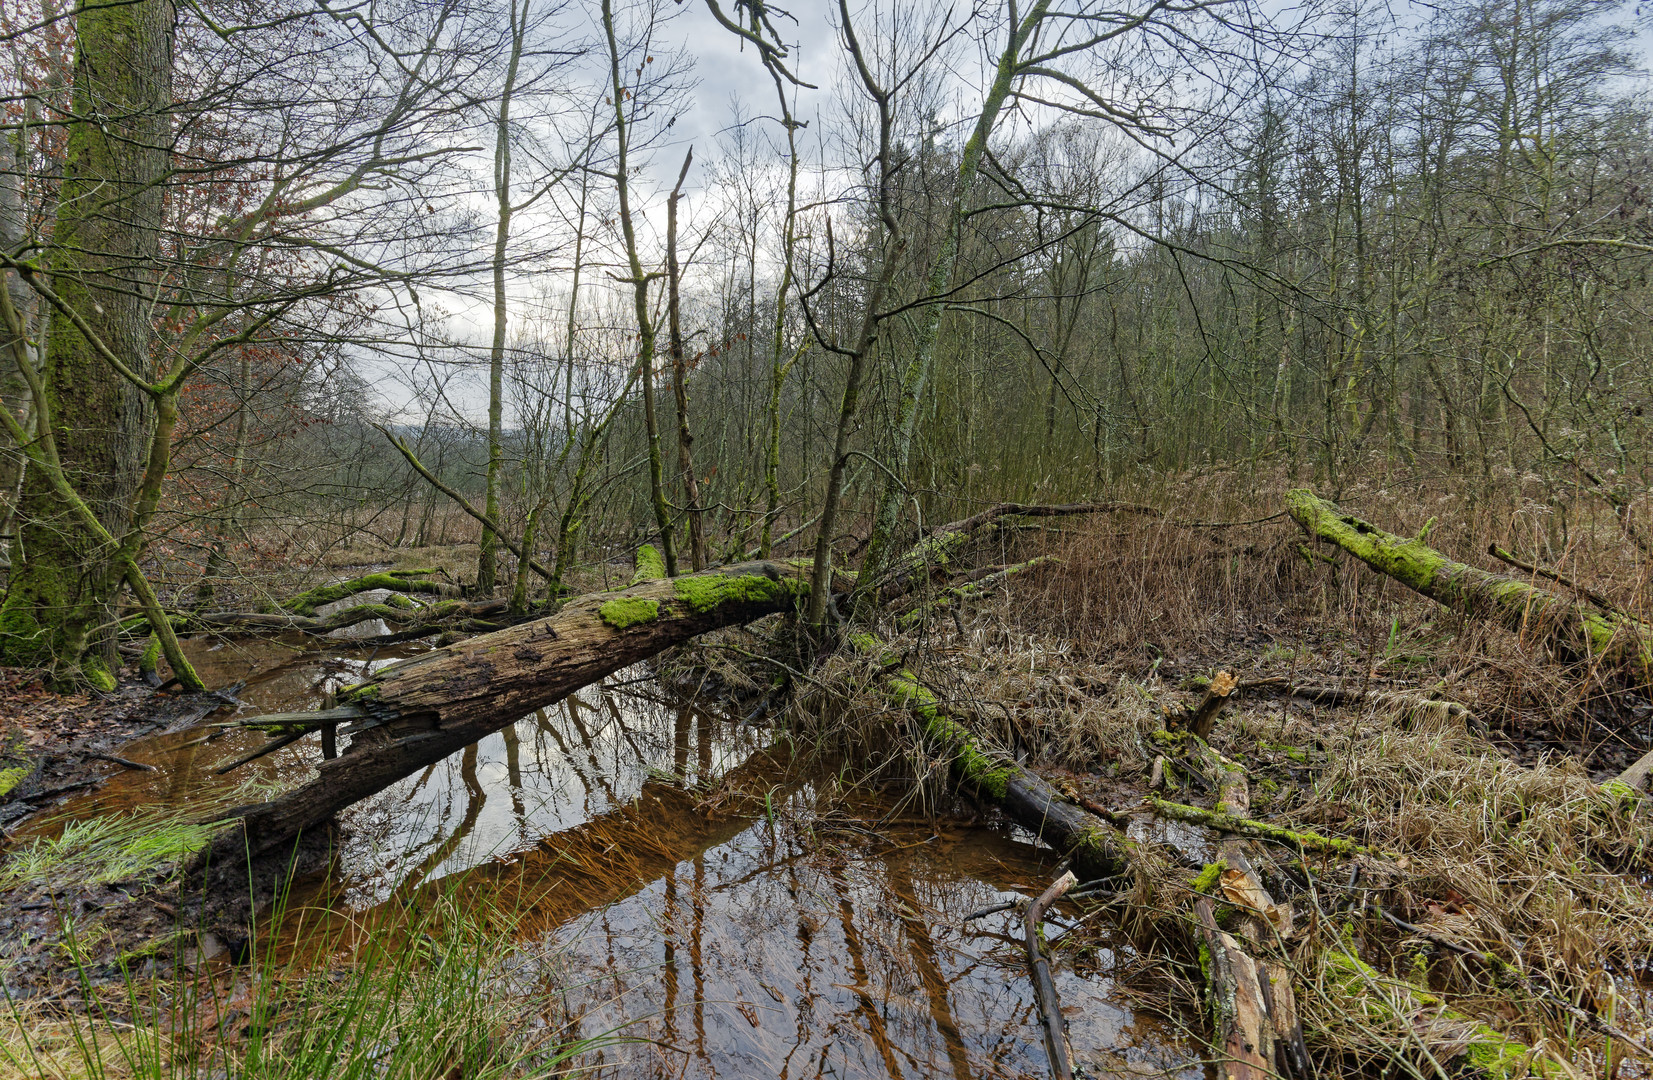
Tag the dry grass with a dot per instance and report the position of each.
(1505, 847)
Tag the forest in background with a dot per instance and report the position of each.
(981, 253)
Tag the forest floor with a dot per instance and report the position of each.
(1495, 836)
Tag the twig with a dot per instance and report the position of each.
(1010, 905)
(1556, 576)
(140, 766)
(64, 790)
(1050, 1006)
(268, 748)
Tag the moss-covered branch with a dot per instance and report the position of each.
(402, 581)
(1575, 631)
(1096, 848)
(1215, 819)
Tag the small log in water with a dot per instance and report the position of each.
(1096, 848)
(1050, 1005)
(417, 712)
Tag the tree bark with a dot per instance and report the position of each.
(60, 604)
(1574, 631)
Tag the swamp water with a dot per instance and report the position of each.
(725, 916)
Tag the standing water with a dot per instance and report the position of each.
(724, 911)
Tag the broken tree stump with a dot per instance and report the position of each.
(417, 712)
(1575, 631)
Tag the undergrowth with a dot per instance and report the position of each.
(447, 993)
(1493, 832)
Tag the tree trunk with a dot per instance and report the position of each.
(418, 712)
(487, 569)
(107, 237)
(1571, 629)
(680, 378)
(639, 282)
(940, 277)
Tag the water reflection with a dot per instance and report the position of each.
(723, 904)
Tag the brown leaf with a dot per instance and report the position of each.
(1239, 890)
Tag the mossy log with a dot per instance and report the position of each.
(1096, 848)
(938, 551)
(401, 581)
(417, 712)
(298, 614)
(1215, 819)
(1573, 630)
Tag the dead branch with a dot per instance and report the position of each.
(1050, 1005)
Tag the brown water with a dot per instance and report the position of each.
(732, 914)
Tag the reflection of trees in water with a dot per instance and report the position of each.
(866, 1008)
(476, 796)
(921, 945)
(513, 782)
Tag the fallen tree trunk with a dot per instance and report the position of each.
(1573, 630)
(937, 551)
(1097, 849)
(417, 712)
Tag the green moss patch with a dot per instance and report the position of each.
(629, 611)
(704, 592)
(651, 565)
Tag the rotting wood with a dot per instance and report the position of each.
(415, 713)
(1044, 987)
(1241, 1032)
(1217, 696)
(1258, 1006)
(1096, 848)
(937, 551)
(973, 586)
(1635, 777)
(1573, 630)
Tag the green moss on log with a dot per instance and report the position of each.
(10, 778)
(629, 611)
(1577, 631)
(96, 674)
(1209, 877)
(651, 565)
(150, 662)
(704, 592)
(400, 582)
(1196, 815)
(981, 771)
